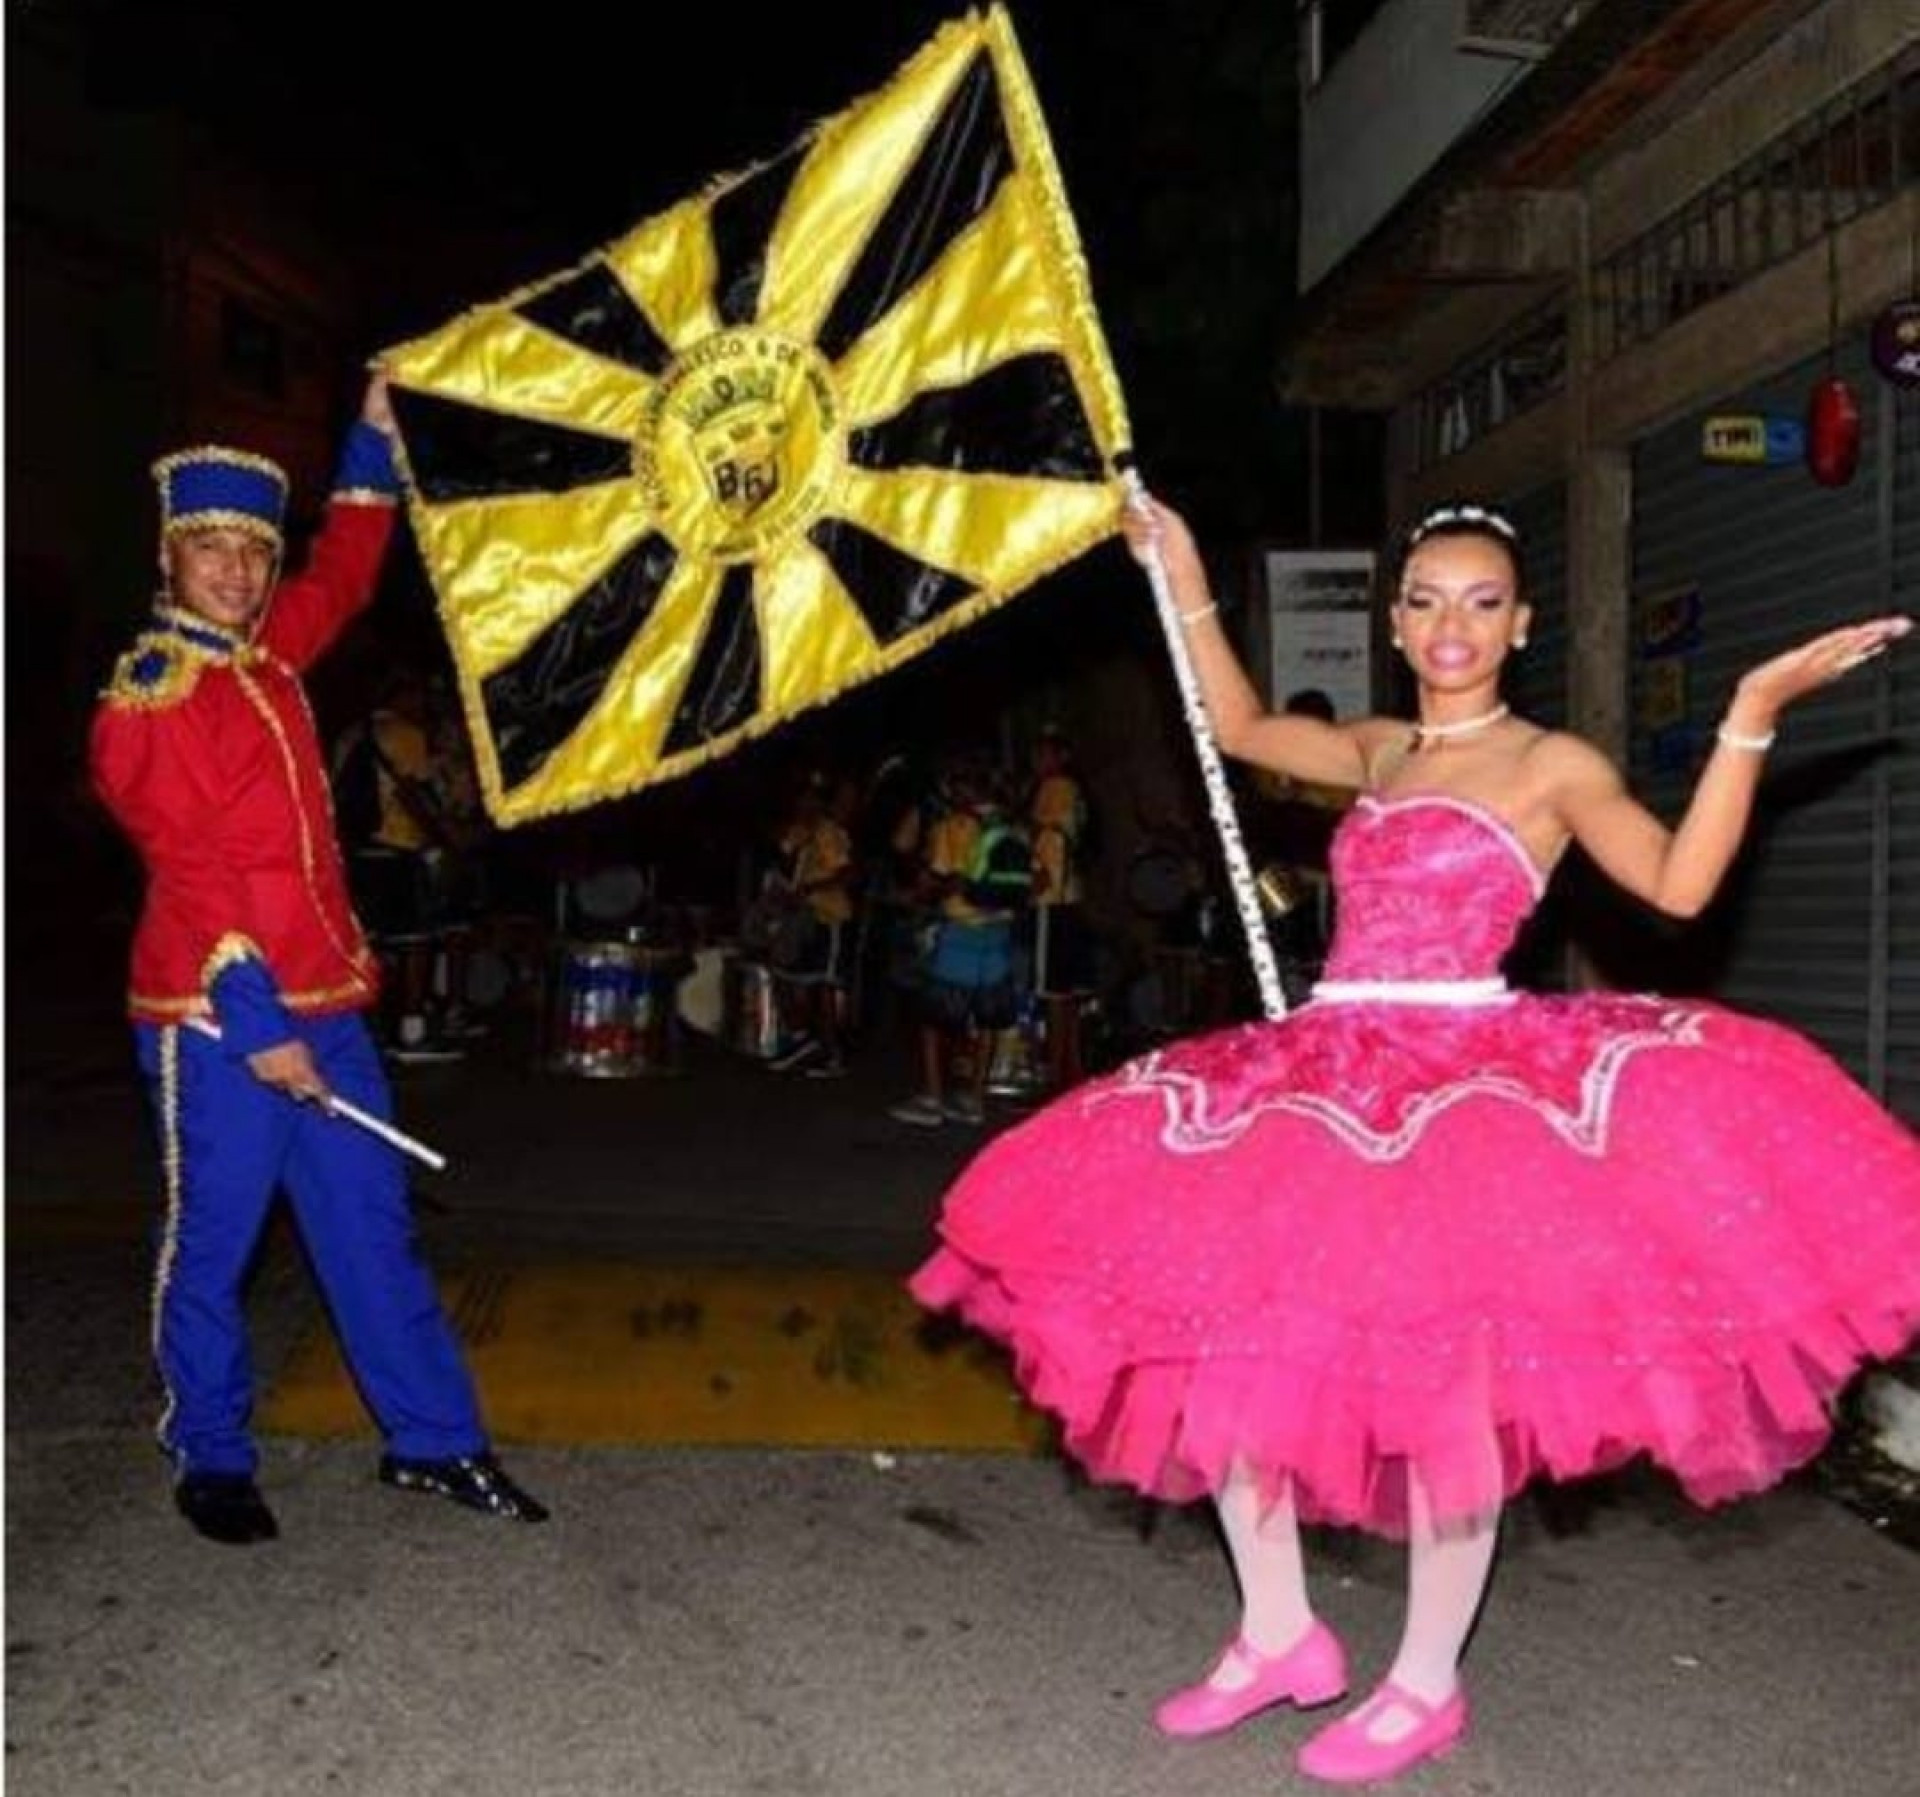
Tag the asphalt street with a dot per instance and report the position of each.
(772, 1619)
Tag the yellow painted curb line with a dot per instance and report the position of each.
(800, 1357)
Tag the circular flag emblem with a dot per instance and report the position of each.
(739, 444)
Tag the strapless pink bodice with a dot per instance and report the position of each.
(1428, 888)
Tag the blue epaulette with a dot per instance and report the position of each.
(160, 670)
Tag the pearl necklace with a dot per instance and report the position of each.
(1435, 733)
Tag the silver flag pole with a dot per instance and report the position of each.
(1246, 897)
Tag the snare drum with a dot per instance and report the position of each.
(613, 1012)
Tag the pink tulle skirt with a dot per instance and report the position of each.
(1358, 1248)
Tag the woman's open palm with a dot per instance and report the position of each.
(1817, 663)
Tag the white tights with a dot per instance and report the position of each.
(1447, 1569)
(1264, 1545)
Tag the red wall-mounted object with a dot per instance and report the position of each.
(1833, 432)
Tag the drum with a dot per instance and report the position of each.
(610, 895)
(612, 1010)
(753, 1009)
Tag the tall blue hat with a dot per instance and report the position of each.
(211, 487)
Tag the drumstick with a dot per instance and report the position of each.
(337, 1106)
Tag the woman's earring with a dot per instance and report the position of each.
(1397, 643)
(1519, 642)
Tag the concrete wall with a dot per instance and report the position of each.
(1813, 59)
(1771, 322)
(1355, 163)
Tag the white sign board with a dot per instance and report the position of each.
(1319, 604)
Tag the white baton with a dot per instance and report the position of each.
(341, 1107)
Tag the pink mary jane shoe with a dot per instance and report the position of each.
(1312, 1671)
(1344, 1753)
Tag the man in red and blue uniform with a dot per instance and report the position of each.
(251, 979)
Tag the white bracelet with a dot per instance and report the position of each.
(1193, 617)
(1732, 739)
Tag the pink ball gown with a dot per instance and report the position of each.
(1428, 1226)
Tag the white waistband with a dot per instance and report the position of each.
(1413, 992)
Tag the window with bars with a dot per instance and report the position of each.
(1513, 375)
(1849, 156)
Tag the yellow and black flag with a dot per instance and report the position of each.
(770, 443)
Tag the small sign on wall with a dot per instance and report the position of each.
(1666, 638)
(1319, 614)
(1753, 440)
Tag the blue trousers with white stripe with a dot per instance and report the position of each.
(229, 1143)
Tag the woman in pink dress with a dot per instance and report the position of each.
(1383, 1261)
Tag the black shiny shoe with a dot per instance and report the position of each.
(476, 1480)
(225, 1507)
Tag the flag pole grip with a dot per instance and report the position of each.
(1226, 821)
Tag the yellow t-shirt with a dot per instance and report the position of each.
(403, 751)
(824, 852)
(1056, 817)
(951, 845)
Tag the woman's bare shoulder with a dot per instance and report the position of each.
(1563, 760)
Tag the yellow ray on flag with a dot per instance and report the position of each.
(852, 168)
(634, 706)
(545, 549)
(502, 359)
(667, 265)
(771, 442)
(989, 301)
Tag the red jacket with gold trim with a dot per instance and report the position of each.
(205, 750)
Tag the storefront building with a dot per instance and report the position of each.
(1598, 274)
(1669, 222)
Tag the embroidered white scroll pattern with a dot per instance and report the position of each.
(1197, 1121)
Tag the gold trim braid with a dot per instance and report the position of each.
(229, 951)
(184, 524)
(170, 1160)
(154, 1010)
(219, 452)
(309, 871)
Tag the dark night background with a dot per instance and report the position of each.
(451, 159)
(441, 160)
